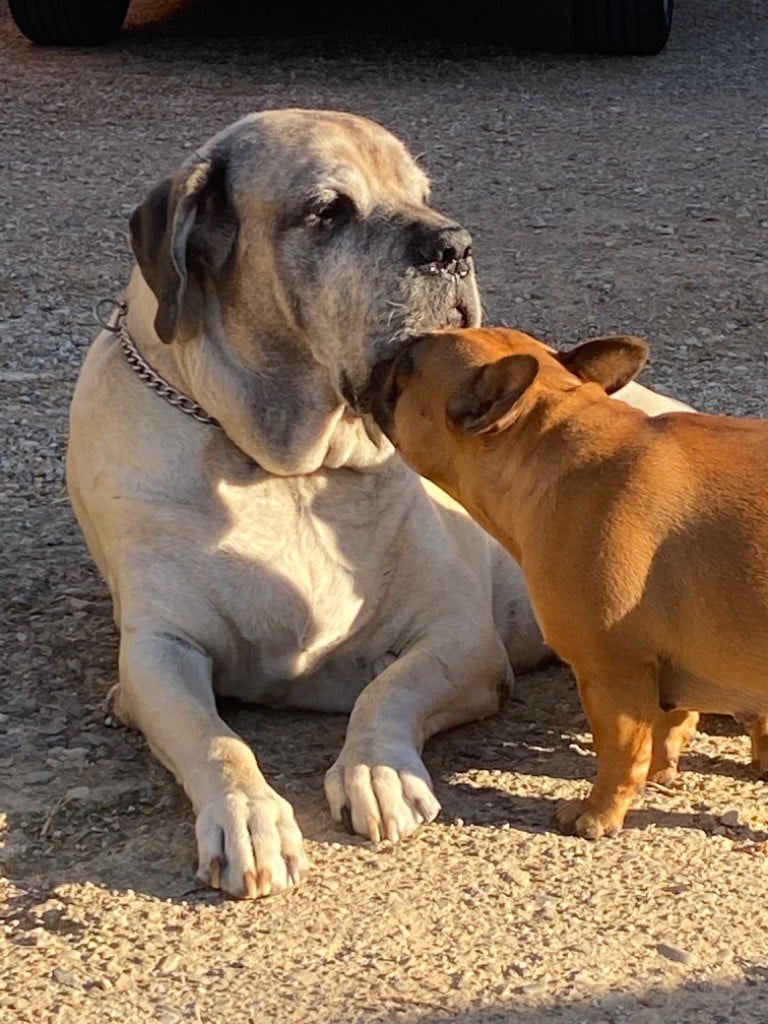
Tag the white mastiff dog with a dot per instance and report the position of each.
(258, 534)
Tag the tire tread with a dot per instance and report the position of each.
(622, 27)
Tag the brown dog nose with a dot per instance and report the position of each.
(446, 248)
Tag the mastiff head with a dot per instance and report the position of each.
(302, 242)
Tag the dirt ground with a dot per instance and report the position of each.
(604, 195)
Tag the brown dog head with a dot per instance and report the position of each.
(446, 395)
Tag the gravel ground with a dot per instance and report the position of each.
(604, 195)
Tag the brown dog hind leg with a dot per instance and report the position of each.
(621, 711)
(671, 734)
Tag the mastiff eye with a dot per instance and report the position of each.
(331, 214)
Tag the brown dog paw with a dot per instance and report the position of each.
(669, 776)
(576, 817)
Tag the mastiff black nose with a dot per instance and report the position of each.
(448, 247)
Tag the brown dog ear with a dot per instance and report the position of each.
(609, 362)
(485, 406)
(185, 228)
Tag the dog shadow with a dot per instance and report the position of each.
(135, 829)
(143, 837)
(509, 771)
(297, 748)
(486, 806)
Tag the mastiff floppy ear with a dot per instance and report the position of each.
(486, 405)
(184, 229)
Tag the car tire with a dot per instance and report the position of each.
(622, 27)
(69, 22)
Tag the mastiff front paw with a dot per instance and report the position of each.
(249, 845)
(379, 801)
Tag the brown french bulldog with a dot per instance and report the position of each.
(643, 539)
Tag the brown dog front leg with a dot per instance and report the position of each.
(621, 716)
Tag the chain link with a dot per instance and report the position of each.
(144, 371)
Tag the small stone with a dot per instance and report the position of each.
(581, 751)
(73, 753)
(679, 956)
(168, 964)
(52, 728)
(534, 988)
(730, 819)
(65, 977)
(517, 877)
(78, 793)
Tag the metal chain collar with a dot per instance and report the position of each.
(142, 368)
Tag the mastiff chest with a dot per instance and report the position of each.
(295, 570)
